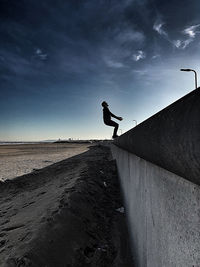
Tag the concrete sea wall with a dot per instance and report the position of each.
(163, 212)
(159, 168)
(170, 138)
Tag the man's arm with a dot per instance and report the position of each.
(118, 118)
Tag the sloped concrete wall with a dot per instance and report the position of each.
(170, 138)
(163, 212)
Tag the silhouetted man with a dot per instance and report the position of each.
(107, 118)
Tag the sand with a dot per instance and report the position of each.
(67, 214)
(16, 160)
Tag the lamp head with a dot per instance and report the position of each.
(185, 70)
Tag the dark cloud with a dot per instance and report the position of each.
(75, 35)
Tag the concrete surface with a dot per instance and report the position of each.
(170, 138)
(163, 208)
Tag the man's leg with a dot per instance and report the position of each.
(113, 124)
(115, 130)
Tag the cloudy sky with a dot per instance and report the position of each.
(60, 59)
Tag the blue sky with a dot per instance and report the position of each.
(60, 59)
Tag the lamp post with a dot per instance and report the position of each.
(195, 75)
(135, 122)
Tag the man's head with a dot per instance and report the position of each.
(104, 104)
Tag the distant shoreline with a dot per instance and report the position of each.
(23, 143)
(52, 142)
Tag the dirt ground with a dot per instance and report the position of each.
(69, 214)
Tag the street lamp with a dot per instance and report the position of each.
(195, 75)
(135, 122)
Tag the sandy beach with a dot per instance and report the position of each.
(67, 214)
(16, 160)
